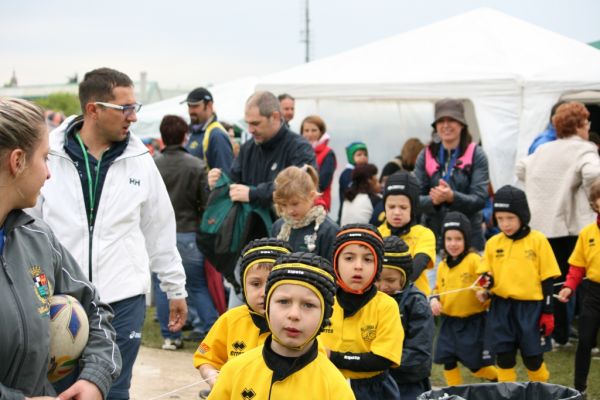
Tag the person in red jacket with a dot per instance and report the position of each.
(314, 130)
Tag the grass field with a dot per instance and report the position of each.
(559, 362)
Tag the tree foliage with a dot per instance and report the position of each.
(66, 103)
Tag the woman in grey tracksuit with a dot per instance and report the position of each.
(33, 267)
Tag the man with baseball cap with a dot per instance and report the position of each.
(208, 140)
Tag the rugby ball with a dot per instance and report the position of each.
(69, 330)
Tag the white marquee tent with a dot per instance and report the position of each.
(509, 72)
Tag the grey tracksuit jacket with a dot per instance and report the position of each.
(34, 265)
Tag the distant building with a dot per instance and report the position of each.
(146, 92)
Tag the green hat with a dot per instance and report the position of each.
(353, 148)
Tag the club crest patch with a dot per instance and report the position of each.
(42, 288)
(368, 333)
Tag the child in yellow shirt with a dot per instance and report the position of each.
(412, 376)
(299, 300)
(462, 329)
(401, 202)
(518, 268)
(585, 262)
(365, 336)
(244, 327)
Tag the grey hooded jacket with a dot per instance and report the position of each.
(34, 265)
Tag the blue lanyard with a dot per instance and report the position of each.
(92, 187)
(1, 239)
(451, 163)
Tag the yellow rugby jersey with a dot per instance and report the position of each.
(232, 334)
(376, 327)
(419, 240)
(586, 253)
(520, 266)
(459, 304)
(248, 377)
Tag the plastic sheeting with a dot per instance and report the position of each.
(503, 391)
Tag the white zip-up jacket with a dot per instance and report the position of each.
(134, 226)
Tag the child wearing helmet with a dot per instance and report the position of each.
(412, 376)
(462, 328)
(518, 269)
(365, 336)
(401, 202)
(299, 302)
(244, 327)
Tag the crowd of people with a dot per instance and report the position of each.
(325, 299)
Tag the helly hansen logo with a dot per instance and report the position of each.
(501, 205)
(248, 394)
(499, 253)
(133, 181)
(591, 242)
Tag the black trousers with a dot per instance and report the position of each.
(562, 248)
(589, 324)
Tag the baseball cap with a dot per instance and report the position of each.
(197, 96)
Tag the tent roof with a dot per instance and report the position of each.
(478, 51)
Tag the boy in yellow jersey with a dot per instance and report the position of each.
(585, 262)
(518, 268)
(401, 201)
(412, 376)
(299, 301)
(462, 329)
(244, 327)
(365, 336)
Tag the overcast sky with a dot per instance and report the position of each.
(182, 43)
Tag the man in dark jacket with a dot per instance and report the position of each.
(274, 148)
(185, 178)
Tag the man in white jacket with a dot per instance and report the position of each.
(108, 205)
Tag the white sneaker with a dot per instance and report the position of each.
(172, 344)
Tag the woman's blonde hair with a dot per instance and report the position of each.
(21, 125)
(295, 182)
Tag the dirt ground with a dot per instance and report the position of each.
(157, 373)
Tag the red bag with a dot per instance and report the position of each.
(214, 281)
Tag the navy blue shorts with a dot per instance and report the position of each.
(463, 339)
(514, 325)
(379, 387)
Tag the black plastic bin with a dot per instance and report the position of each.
(503, 391)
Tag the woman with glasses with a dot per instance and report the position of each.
(34, 266)
(557, 179)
